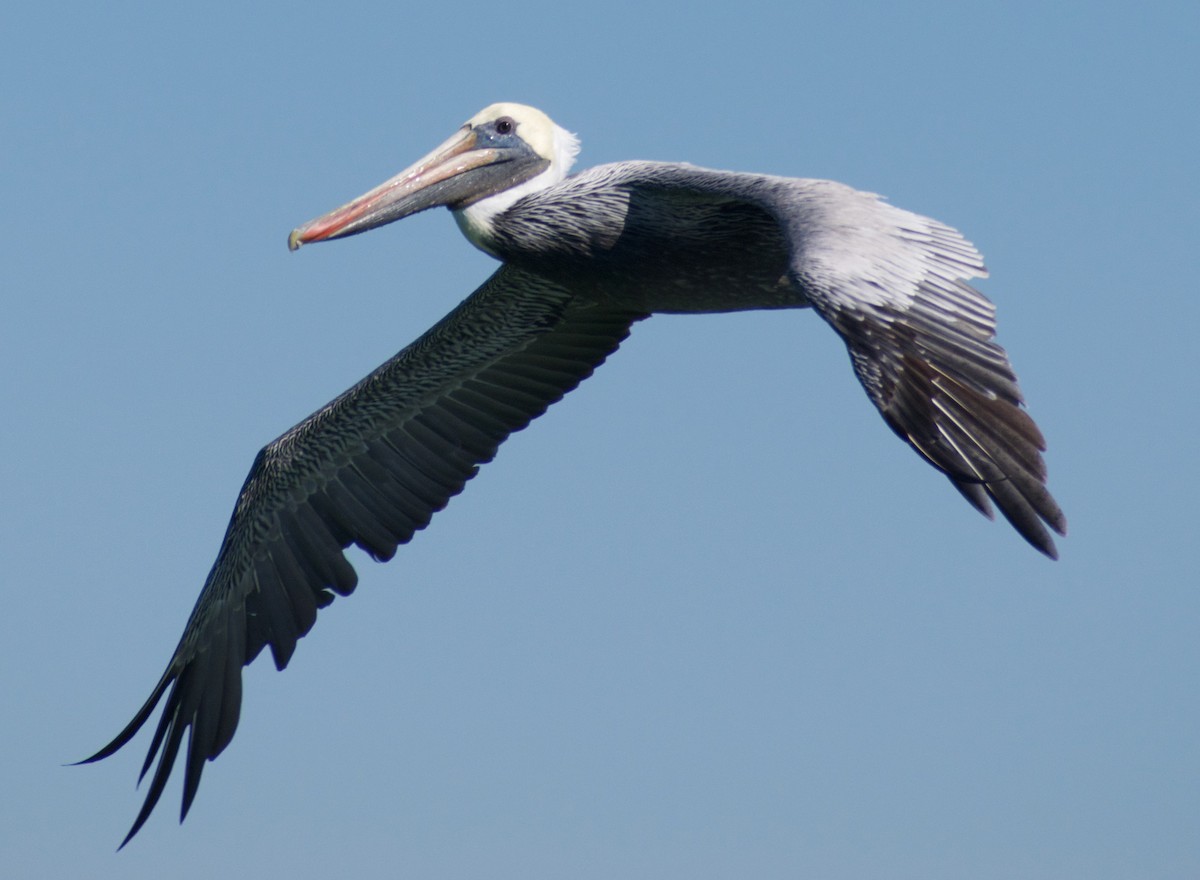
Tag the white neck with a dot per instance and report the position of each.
(475, 221)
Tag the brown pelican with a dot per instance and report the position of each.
(583, 258)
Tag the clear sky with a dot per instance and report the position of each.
(708, 617)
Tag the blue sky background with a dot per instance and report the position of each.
(708, 618)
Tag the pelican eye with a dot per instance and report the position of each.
(505, 125)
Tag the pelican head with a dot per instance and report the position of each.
(504, 152)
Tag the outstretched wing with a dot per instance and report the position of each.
(370, 469)
(921, 339)
(893, 284)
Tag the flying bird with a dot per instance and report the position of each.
(583, 258)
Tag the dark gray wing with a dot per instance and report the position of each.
(893, 285)
(370, 469)
(921, 339)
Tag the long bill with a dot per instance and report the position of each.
(440, 178)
